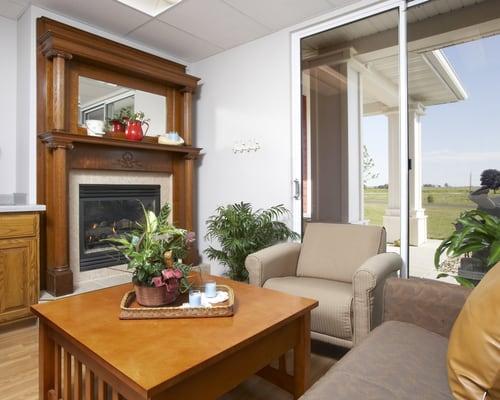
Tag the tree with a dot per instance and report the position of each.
(368, 167)
(490, 178)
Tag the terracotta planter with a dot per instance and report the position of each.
(157, 296)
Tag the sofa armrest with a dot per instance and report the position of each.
(424, 302)
(368, 282)
(271, 262)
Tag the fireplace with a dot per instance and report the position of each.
(107, 211)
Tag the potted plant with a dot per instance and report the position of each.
(154, 252)
(134, 131)
(477, 241)
(241, 231)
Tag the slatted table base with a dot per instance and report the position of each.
(67, 374)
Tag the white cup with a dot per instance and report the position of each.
(95, 127)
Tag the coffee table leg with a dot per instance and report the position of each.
(302, 357)
(46, 350)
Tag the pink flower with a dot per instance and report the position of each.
(190, 237)
(168, 273)
(178, 273)
(158, 281)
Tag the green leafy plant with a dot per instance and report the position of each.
(145, 249)
(241, 231)
(123, 115)
(477, 232)
(139, 116)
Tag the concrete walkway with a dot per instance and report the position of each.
(422, 260)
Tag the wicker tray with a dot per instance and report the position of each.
(130, 309)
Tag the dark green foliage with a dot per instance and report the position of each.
(477, 231)
(490, 178)
(241, 231)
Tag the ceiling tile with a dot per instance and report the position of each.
(178, 43)
(110, 15)
(277, 14)
(215, 22)
(12, 9)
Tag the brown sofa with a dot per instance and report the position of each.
(405, 357)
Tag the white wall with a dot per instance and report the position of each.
(154, 107)
(245, 94)
(8, 93)
(26, 131)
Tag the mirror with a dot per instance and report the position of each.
(105, 101)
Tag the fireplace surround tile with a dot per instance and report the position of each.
(78, 177)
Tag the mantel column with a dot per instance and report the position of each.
(59, 276)
(187, 133)
(59, 88)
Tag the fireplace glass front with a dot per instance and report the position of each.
(106, 211)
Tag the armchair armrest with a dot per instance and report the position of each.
(424, 302)
(271, 262)
(368, 285)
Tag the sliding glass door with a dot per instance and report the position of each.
(350, 102)
(395, 123)
(454, 129)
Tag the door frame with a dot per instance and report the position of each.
(346, 16)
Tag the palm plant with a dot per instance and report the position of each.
(241, 231)
(145, 248)
(477, 232)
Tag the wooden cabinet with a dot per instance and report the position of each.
(19, 265)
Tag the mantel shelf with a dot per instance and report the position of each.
(60, 138)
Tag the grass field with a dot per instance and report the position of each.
(442, 207)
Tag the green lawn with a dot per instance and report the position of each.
(442, 207)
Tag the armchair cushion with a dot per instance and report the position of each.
(335, 251)
(274, 261)
(333, 315)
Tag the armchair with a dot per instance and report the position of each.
(342, 266)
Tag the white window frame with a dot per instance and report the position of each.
(345, 16)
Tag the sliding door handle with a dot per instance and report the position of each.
(296, 189)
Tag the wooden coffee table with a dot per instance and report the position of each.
(86, 349)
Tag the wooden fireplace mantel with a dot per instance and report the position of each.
(58, 138)
(64, 54)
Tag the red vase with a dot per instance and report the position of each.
(117, 126)
(134, 130)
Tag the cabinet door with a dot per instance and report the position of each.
(18, 278)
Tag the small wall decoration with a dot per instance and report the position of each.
(246, 146)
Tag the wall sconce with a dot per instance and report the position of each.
(247, 146)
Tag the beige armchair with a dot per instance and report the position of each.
(342, 266)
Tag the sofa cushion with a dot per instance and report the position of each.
(477, 330)
(336, 251)
(396, 361)
(333, 315)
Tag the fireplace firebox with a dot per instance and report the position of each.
(107, 211)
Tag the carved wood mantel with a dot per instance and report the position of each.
(64, 54)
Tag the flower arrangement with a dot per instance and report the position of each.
(154, 252)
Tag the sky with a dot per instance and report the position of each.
(458, 139)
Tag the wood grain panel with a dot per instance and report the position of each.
(18, 225)
(119, 159)
(18, 278)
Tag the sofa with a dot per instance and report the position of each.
(342, 266)
(405, 357)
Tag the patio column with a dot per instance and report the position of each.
(391, 218)
(418, 219)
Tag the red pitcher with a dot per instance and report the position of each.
(134, 129)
